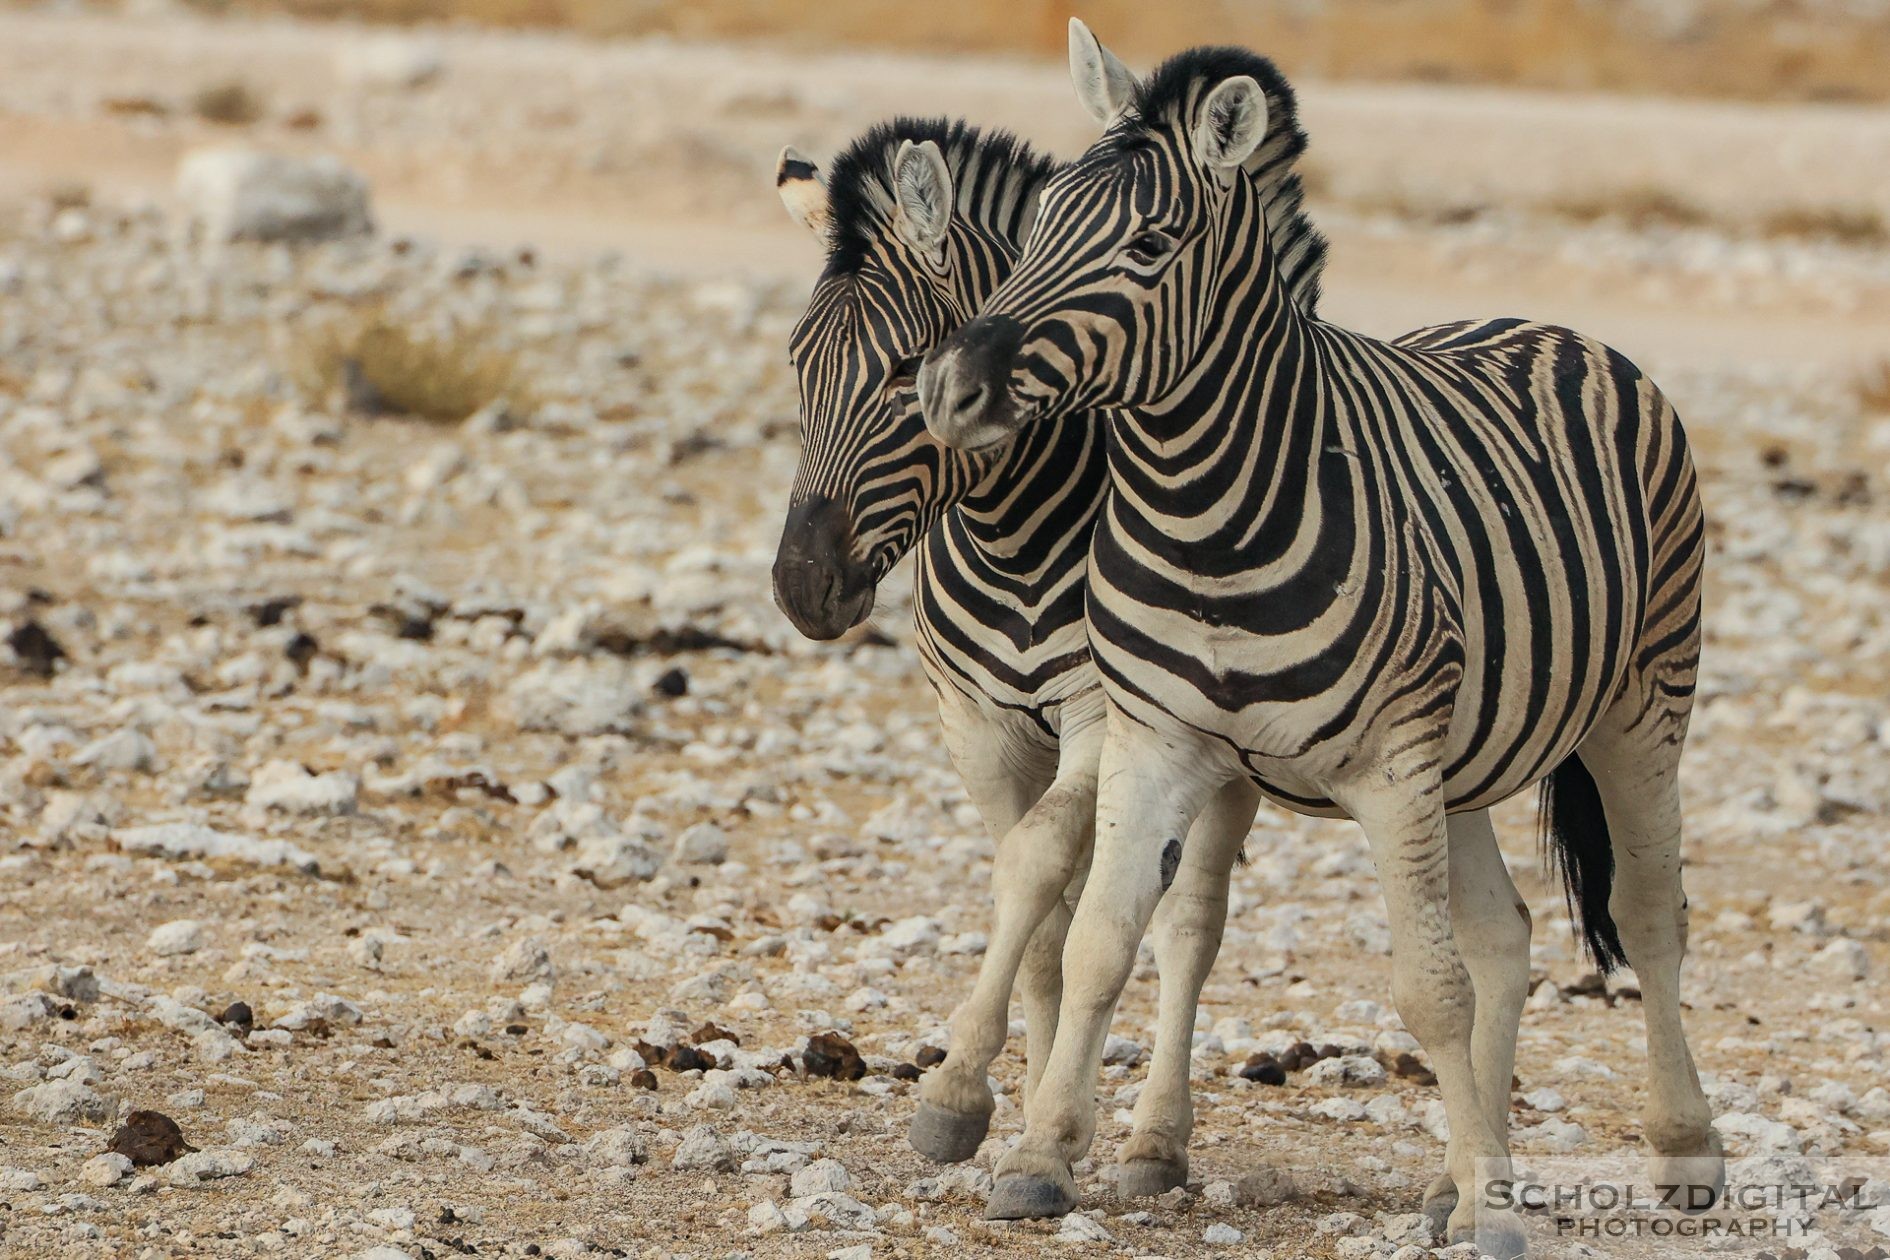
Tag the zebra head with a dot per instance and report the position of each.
(1140, 247)
(922, 219)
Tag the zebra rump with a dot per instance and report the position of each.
(1576, 845)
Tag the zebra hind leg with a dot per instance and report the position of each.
(1637, 777)
(1403, 818)
(1188, 925)
(1491, 923)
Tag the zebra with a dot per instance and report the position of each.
(1390, 581)
(922, 218)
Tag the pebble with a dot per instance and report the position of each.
(105, 1170)
(180, 936)
(1221, 1234)
(704, 843)
(1078, 1228)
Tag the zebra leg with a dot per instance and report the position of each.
(1188, 924)
(1040, 983)
(1403, 818)
(1491, 923)
(1640, 794)
(1035, 862)
(1150, 792)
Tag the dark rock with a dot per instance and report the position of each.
(688, 1059)
(38, 651)
(271, 611)
(1407, 1065)
(906, 1072)
(149, 1138)
(643, 1078)
(238, 1015)
(1265, 1069)
(713, 1032)
(929, 1057)
(673, 683)
(833, 1056)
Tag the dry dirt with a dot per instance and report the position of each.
(438, 662)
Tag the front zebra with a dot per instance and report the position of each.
(1389, 581)
(922, 220)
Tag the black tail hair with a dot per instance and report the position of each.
(1575, 844)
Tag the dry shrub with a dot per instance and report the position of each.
(71, 195)
(1872, 387)
(376, 364)
(1847, 225)
(1639, 208)
(135, 107)
(232, 104)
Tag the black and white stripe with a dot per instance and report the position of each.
(1002, 546)
(1391, 581)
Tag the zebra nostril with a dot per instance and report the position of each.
(970, 401)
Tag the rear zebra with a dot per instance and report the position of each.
(922, 220)
(1396, 582)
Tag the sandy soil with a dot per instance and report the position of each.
(501, 601)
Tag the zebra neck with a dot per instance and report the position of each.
(1040, 497)
(1240, 446)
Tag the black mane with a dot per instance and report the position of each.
(859, 183)
(1298, 246)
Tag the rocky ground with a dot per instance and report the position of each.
(440, 826)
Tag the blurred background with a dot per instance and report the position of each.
(395, 433)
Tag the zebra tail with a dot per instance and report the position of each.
(1575, 844)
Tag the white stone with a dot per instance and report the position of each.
(1221, 1234)
(523, 961)
(194, 841)
(208, 1165)
(121, 750)
(179, 936)
(1078, 1228)
(244, 194)
(390, 62)
(290, 788)
(704, 843)
(105, 1170)
(1346, 1071)
(821, 1176)
(1843, 959)
(64, 1102)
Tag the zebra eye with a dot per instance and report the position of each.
(1149, 246)
(905, 373)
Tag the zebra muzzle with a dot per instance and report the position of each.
(817, 583)
(964, 386)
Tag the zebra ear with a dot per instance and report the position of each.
(1232, 123)
(1103, 83)
(922, 185)
(803, 190)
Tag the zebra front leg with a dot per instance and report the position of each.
(1637, 778)
(1188, 925)
(1149, 794)
(1403, 818)
(1036, 860)
(1491, 923)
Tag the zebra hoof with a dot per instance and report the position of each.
(1021, 1197)
(1690, 1183)
(947, 1137)
(1439, 1202)
(1146, 1178)
(1497, 1234)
